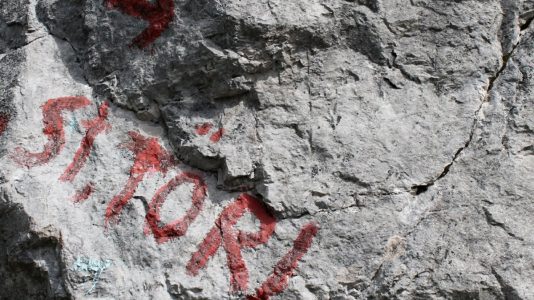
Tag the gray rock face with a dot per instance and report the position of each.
(227, 149)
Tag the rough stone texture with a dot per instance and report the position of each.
(404, 129)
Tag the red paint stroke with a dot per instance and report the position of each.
(233, 240)
(178, 227)
(203, 129)
(84, 193)
(158, 14)
(4, 120)
(150, 156)
(94, 127)
(53, 129)
(284, 269)
(216, 137)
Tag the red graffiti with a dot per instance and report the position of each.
(53, 129)
(216, 137)
(178, 227)
(94, 127)
(233, 240)
(159, 14)
(149, 157)
(205, 128)
(4, 120)
(277, 281)
(84, 193)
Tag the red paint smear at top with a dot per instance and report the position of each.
(84, 194)
(179, 227)
(159, 15)
(94, 127)
(53, 129)
(216, 137)
(233, 240)
(278, 280)
(4, 120)
(150, 156)
(203, 129)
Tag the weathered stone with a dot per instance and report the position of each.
(391, 142)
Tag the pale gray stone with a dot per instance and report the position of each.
(403, 128)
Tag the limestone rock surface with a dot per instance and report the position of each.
(238, 149)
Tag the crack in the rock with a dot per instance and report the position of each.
(419, 189)
(506, 58)
(357, 204)
(492, 222)
(3, 54)
(508, 291)
(527, 24)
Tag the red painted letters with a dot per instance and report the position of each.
(94, 127)
(216, 137)
(179, 227)
(233, 240)
(53, 129)
(84, 193)
(4, 119)
(277, 281)
(149, 157)
(205, 128)
(158, 14)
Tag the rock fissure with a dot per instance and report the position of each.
(419, 189)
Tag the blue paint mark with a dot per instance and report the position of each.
(74, 124)
(95, 267)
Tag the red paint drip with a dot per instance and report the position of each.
(53, 129)
(278, 280)
(233, 240)
(203, 129)
(4, 120)
(94, 127)
(150, 156)
(216, 137)
(84, 193)
(178, 227)
(158, 14)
